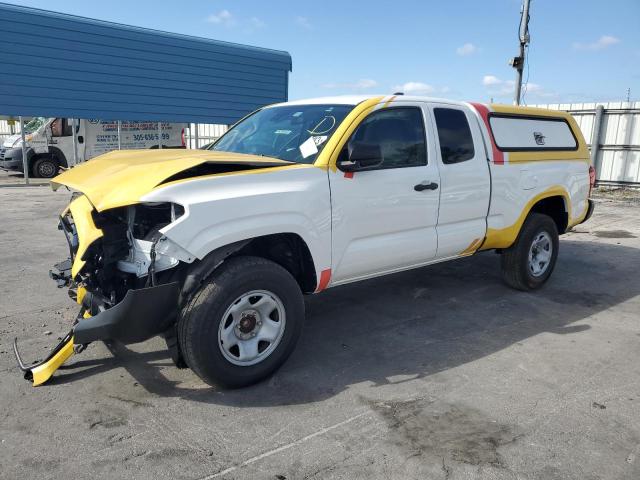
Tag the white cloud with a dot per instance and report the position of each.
(223, 17)
(226, 19)
(603, 42)
(303, 22)
(489, 80)
(498, 87)
(362, 84)
(466, 49)
(415, 88)
(536, 90)
(256, 23)
(501, 88)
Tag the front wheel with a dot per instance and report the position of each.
(45, 167)
(243, 323)
(528, 263)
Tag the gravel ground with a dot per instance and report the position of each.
(441, 372)
(630, 196)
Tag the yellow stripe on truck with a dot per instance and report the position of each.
(505, 237)
(329, 154)
(388, 102)
(473, 246)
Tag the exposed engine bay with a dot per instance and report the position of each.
(128, 249)
(118, 280)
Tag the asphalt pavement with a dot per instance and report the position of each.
(437, 373)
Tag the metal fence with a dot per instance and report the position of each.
(199, 135)
(616, 126)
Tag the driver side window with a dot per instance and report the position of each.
(61, 127)
(398, 133)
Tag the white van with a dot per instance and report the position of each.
(50, 142)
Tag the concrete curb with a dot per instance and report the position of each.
(17, 185)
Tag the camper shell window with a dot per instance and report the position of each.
(518, 133)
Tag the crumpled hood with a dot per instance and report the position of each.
(122, 177)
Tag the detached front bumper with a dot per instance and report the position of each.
(142, 314)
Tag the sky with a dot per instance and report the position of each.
(580, 51)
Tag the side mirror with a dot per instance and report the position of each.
(363, 156)
(80, 139)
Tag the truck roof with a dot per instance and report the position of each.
(356, 99)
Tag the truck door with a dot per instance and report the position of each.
(385, 219)
(465, 185)
(61, 140)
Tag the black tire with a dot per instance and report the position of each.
(200, 320)
(516, 269)
(45, 167)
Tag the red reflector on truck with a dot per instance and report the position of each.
(325, 276)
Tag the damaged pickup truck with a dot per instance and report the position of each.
(214, 249)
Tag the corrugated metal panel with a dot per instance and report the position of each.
(619, 154)
(62, 65)
(5, 130)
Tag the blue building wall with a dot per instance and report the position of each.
(54, 64)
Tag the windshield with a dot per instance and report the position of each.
(296, 133)
(34, 124)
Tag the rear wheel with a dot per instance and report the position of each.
(529, 262)
(45, 167)
(243, 323)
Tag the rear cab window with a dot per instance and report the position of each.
(454, 134)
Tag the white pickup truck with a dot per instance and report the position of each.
(214, 249)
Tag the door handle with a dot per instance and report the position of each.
(425, 186)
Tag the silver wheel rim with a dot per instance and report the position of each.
(251, 328)
(540, 254)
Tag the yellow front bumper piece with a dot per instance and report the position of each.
(42, 371)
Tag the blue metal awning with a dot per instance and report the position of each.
(59, 65)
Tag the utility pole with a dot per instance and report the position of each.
(25, 162)
(523, 37)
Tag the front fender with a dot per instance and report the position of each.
(232, 208)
